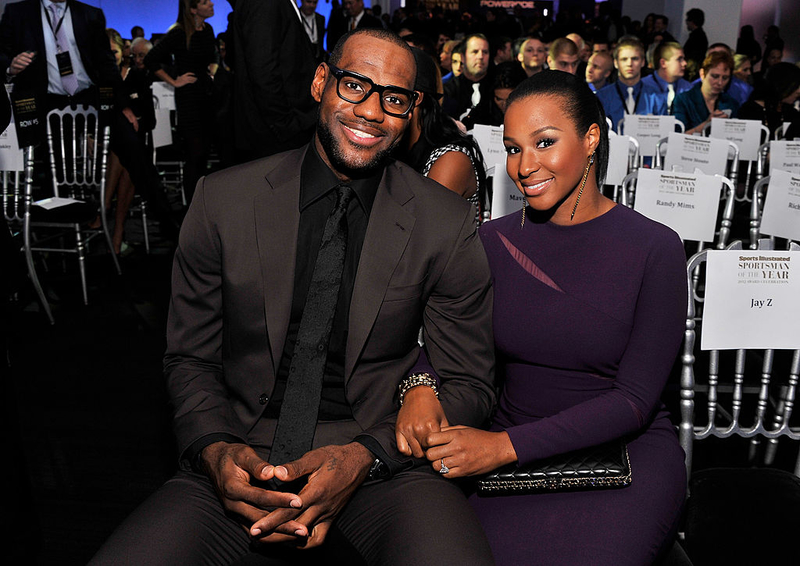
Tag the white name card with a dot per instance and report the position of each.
(506, 198)
(785, 155)
(648, 130)
(618, 149)
(165, 95)
(781, 215)
(162, 133)
(686, 202)
(11, 156)
(688, 153)
(746, 134)
(490, 140)
(752, 300)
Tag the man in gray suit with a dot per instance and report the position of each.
(241, 285)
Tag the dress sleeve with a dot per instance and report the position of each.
(627, 407)
(162, 51)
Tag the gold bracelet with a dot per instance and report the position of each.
(415, 380)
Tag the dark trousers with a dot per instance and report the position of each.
(417, 517)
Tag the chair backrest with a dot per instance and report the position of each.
(732, 171)
(17, 189)
(78, 145)
(721, 401)
(627, 197)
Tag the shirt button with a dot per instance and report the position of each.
(263, 399)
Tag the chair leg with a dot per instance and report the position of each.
(109, 243)
(144, 227)
(35, 280)
(81, 248)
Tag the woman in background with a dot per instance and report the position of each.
(192, 43)
(434, 144)
(707, 99)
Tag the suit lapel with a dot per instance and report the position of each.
(388, 232)
(277, 218)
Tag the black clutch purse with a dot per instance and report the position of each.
(598, 467)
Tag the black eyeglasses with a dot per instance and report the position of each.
(355, 88)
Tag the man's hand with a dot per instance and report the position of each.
(420, 415)
(231, 468)
(21, 62)
(128, 113)
(334, 473)
(469, 451)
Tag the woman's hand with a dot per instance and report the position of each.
(420, 415)
(469, 451)
(184, 79)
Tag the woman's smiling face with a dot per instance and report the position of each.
(546, 155)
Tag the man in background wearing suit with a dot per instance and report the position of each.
(254, 277)
(314, 24)
(275, 62)
(58, 52)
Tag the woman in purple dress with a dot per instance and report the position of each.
(589, 307)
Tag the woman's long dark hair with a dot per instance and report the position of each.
(580, 104)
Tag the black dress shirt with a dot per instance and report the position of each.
(317, 199)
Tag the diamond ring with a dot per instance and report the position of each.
(444, 469)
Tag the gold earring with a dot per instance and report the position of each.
(583, 184)
(522, 222)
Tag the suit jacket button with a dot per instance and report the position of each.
(263, 399)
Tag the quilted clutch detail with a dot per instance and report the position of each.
(598, 467)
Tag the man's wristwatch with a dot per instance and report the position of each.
(378, 470)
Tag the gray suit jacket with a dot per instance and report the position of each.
(422, 264)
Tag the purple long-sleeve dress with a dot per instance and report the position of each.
(587, 321)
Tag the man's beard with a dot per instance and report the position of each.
(336, 156)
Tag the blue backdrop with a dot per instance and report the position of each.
(155, 16)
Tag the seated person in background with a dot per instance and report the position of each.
(600, 45)
(436, 147)
(474, 86)
(772, 103)
(707, 99)
(563, 56)
(506, 78)
(598, 70)
(742, 68)
(573, 377)
(584, 52)
(456, 62)
(532, 56)
(737, 88)
(625, 96)
(501, 49)
(445, 54)
(667, 80)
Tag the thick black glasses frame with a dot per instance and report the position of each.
(380, 89)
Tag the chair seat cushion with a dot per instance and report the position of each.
(76, 212)
(743, 516)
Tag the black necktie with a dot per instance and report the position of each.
(298, 416)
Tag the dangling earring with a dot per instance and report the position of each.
(522, 222)
(583, 184)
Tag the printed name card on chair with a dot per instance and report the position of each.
(744, 133)
(785, 155)
(752, 300)
(490, 140)
(618, 158)
(686, 202)
(648, 130)
(12, 157)
(506, 198)
(688, 153)
(781, 215)
(165, 94)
